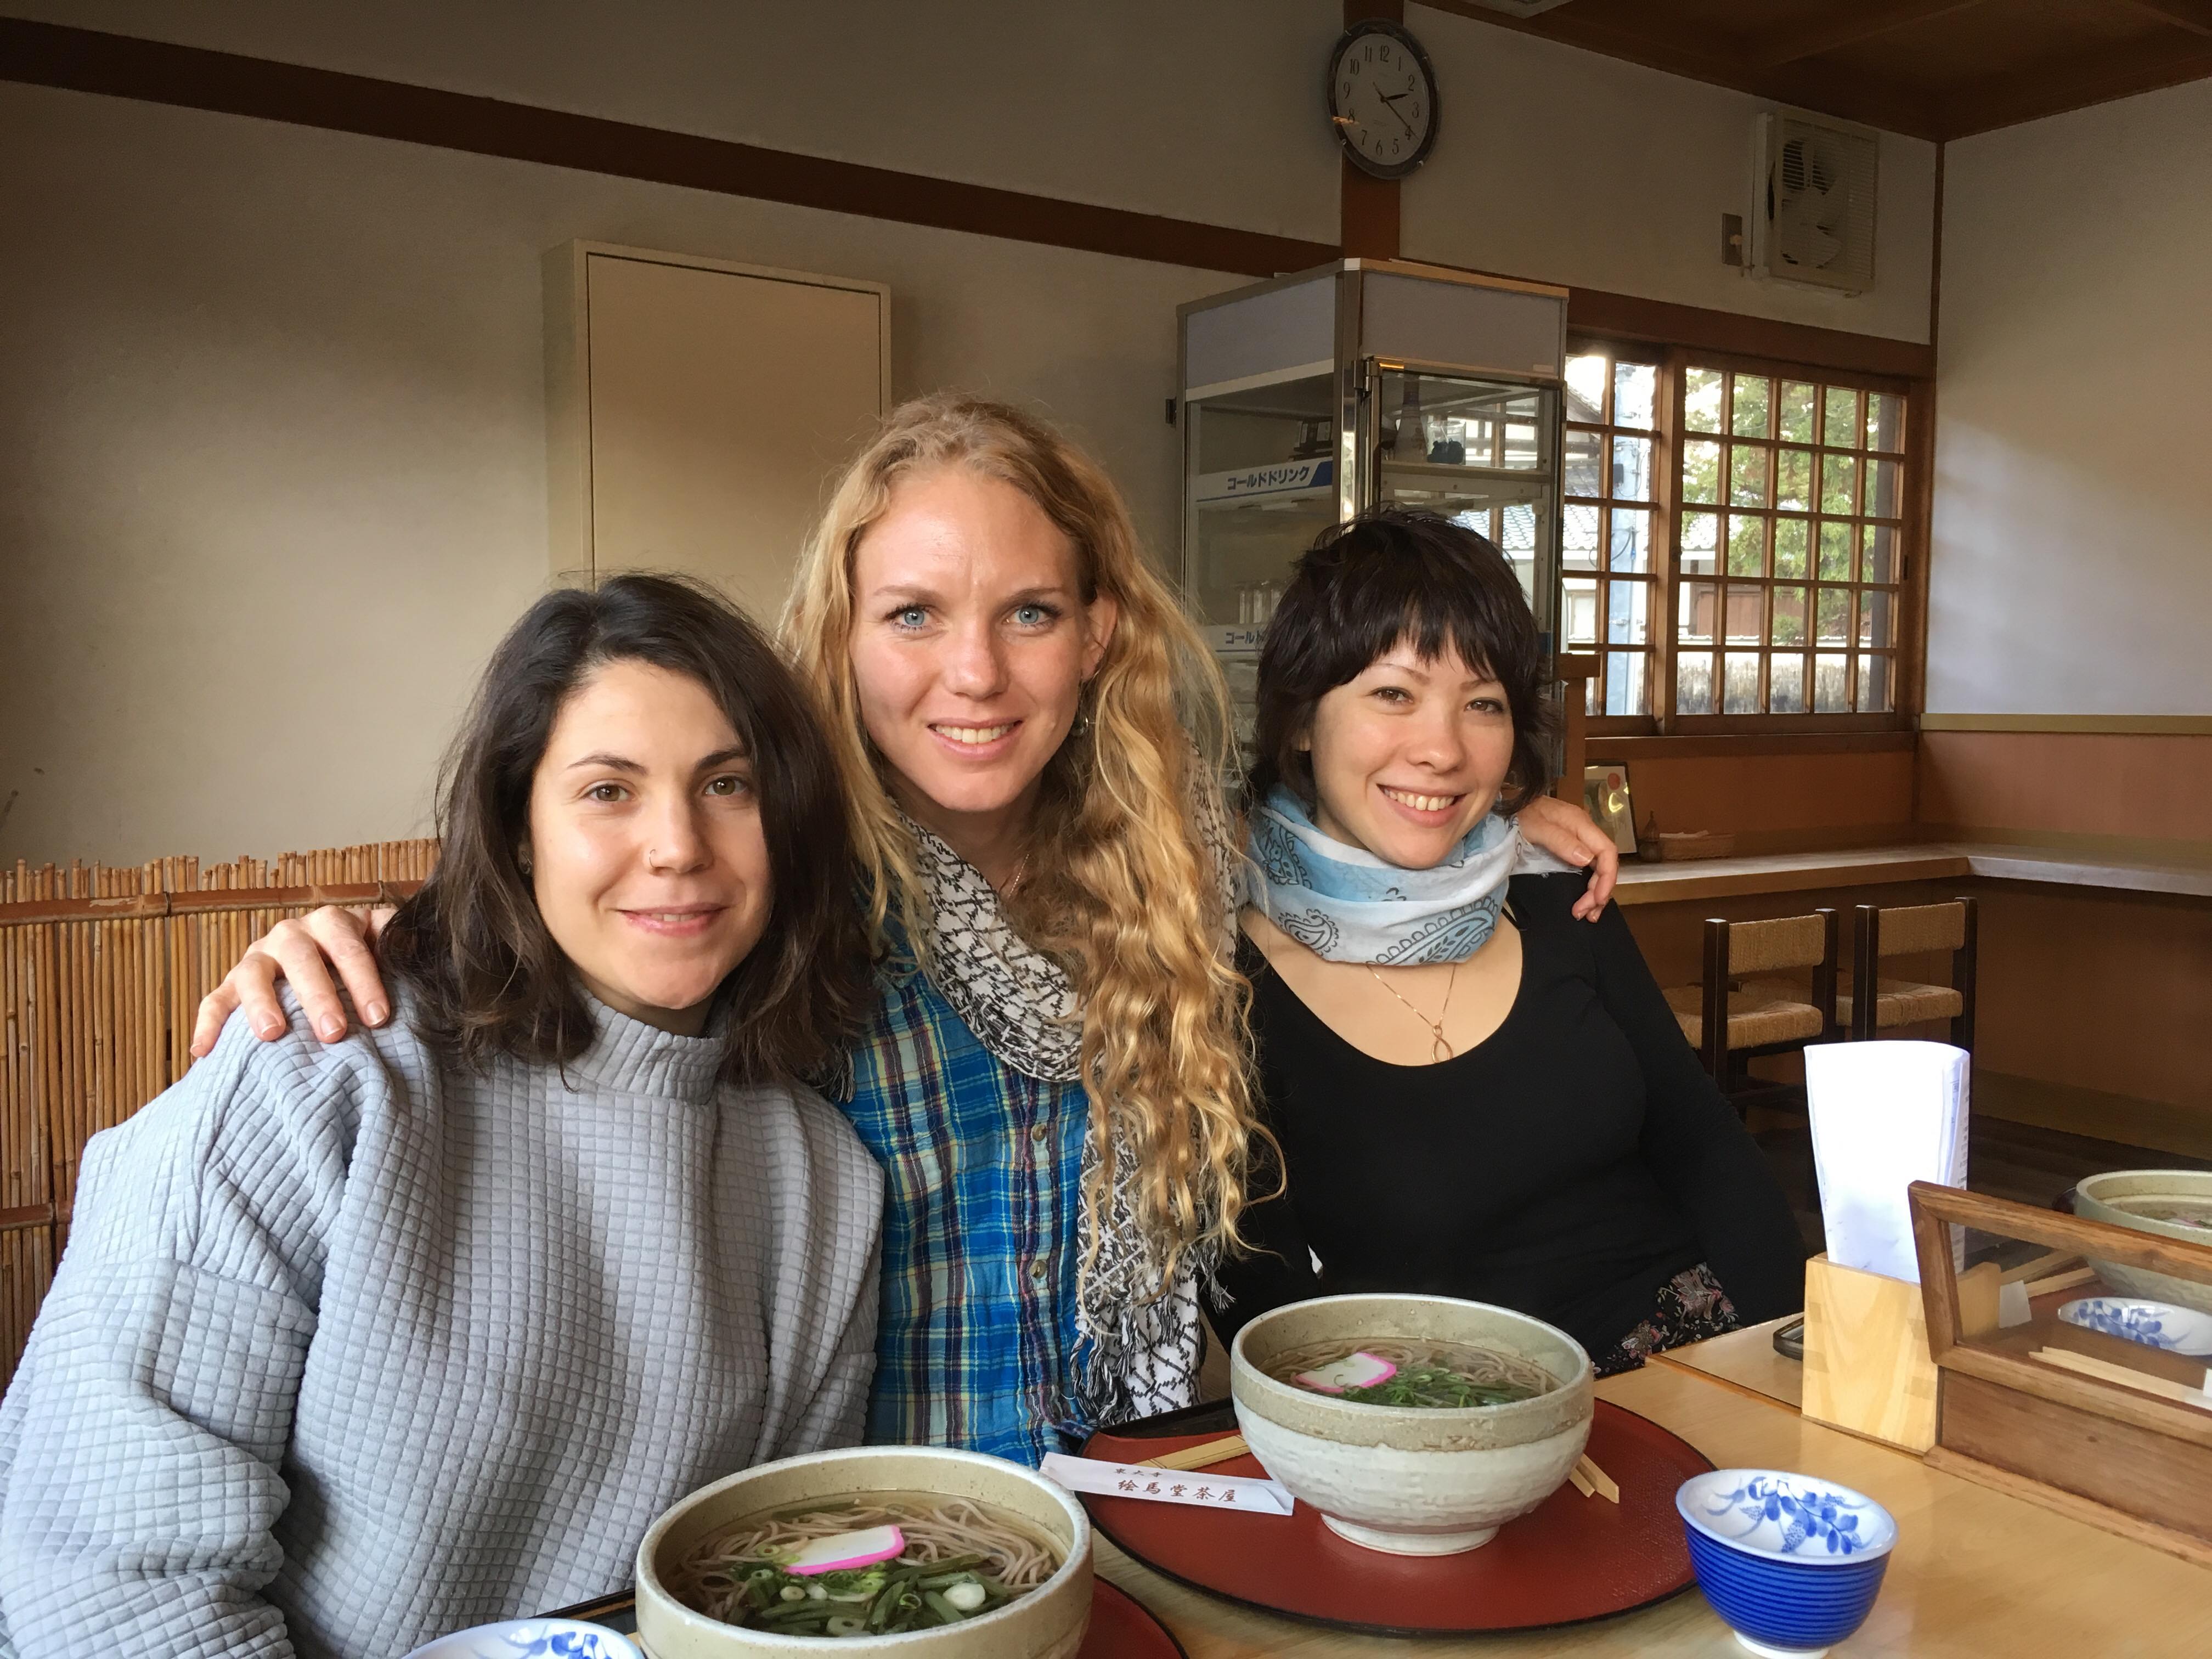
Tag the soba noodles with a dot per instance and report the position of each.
(961, 1560)
(1442, 1374)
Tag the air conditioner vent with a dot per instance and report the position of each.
(1813, 215)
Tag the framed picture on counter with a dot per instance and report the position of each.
(1606, 799)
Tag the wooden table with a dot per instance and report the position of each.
(1747, 1359)
(1976, 1574)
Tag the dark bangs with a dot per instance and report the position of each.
(1386, 576)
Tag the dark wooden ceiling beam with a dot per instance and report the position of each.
(1669, 50)
(2195, 15)
(2145, 66)
(1857, 23)
(1854, 99)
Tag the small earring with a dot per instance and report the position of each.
(1082, 727)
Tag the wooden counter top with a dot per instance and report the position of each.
(1976, 1572)
(2087, 870)
(1787, 873)
(1866, 867)
(1746, 1358)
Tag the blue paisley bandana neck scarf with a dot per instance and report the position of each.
(1344, 904)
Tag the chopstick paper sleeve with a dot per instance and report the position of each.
(1252, 1493)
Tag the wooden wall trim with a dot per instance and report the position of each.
(228, 83)
(1628, 316)
(84, 60)
(1746, 745)
(1369, 211)
(2118, 725)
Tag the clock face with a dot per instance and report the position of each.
(1383, 99)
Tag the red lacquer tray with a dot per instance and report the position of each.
(1121, 1627)
(1576, 1558)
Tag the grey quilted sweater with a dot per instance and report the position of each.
(349, 1349)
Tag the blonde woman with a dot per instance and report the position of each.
(1053, 1073)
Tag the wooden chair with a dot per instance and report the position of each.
(1732, 1016)
(1904, 931)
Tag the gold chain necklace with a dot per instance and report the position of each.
(1442, 1050)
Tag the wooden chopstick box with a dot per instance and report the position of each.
(1866, 1368)
(2102, 1447)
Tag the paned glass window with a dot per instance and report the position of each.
(1610, 584)
(1790, 524)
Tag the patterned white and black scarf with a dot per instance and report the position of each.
(1138, 1353)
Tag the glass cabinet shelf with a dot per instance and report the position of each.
(1314, 398)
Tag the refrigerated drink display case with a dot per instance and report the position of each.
(1312, 397)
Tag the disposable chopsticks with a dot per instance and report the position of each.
(1203, 1455)
(1589, 1479)
(2106, 1372)
(1592, 1481)
(2065, 1281)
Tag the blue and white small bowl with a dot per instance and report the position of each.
(1792, 1563)
(532, 1638)
(2155, 1324)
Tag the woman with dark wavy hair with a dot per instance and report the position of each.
(1473, 1094)
(357, 1343)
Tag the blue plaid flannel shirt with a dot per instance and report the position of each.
(977, 1339)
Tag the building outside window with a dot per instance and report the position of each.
(1734, 544)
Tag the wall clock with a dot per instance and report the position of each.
(1381, 95)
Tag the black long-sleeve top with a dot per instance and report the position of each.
(1567, 1166)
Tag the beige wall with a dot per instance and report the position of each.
(1563, 166)
(272, 470)
(1196, 109)
(2072, 568)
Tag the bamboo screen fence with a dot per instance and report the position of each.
(101, 970)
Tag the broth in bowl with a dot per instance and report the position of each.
(917, 1551)
(1434, 1375)
(1415, 1425)
(892, 1562)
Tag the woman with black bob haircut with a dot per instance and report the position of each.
(358, 1343)
(1473, 1096)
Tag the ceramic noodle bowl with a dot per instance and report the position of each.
(1414, 1480)
(1046, 1623)
(2172, 1203)
(2165, 1325)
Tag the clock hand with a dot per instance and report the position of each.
(1390, 102)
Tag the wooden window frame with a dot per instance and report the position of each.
(1909, 659)
(1657, 574)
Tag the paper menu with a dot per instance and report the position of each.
(1884, 1114)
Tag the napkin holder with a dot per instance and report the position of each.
(1867, 1369)
(2132, 1458)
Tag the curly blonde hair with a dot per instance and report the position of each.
(1127, 893)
